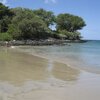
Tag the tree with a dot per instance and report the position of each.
(4, 11)
(69, 22)
(23, 23)
(5, 17)
(70, 35)
(27, 25)
(33, 29)
(22, 13)
(47, 16)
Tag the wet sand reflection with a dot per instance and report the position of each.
(63, 72)
(16, 67)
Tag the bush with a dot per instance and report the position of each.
(5, 37)
(70, 35)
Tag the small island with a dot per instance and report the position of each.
(22, 26)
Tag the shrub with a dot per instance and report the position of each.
(5, 37)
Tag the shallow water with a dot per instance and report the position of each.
(80, 55)
(27, 77)
(18, 67)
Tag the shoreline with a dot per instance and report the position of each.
(66, 61)
(40, 56)
(47, 42)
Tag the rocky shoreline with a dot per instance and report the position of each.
(39, 42)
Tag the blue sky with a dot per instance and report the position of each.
(87, 9)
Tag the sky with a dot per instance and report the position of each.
(87, 9)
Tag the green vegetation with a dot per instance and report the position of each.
(25, 24)
(5, 37)
(5, 17)
(69, 22)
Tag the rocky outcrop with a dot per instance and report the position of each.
(39, 42)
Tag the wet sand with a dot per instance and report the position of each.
(43, 52)
(27, 77)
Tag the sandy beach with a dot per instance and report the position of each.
(49, 50)
(30, 77)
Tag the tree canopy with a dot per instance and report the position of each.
(69, 22)
(47, 16)
(26, 25)
(5, 17)
(23, 23)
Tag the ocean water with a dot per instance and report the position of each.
(83, 55)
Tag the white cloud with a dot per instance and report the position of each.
(47, 1)
(3, 1)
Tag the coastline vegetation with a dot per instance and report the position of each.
(26, 24)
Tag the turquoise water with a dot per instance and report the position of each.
(83, 55)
